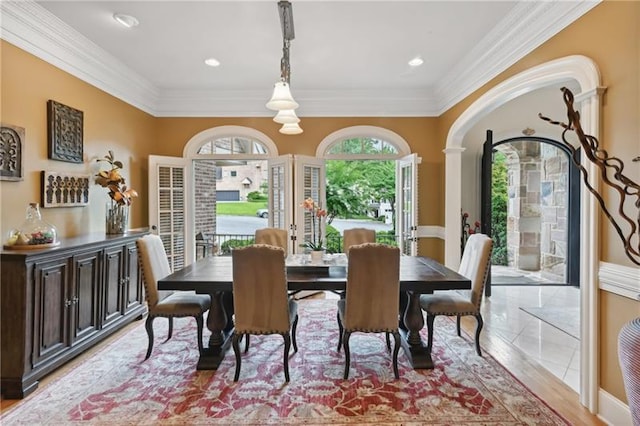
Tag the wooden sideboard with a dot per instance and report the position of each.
(56, 303)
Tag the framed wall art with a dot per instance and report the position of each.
(64, 131)
(65, 189)
(11, 152)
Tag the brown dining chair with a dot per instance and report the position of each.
(355, 236)
(475, 266)
(274, 237)
(166, 304)
(371, 301)
(260, 299)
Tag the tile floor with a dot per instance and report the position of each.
(552, 348)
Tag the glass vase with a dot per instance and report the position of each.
(117, 218)
(33, 232)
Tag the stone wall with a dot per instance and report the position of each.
(537, 208)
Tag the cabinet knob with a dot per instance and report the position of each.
(67, 303)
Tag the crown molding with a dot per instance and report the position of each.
(313, 103)
(525, 28)
(34, 29)
(37, 31)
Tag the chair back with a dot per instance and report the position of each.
(373, 288)
(154, 265)
(272, 236)
(475, 264)
(260, 290)
(355, 236)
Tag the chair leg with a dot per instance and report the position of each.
(148, 325)
(347, 354)
(340, 330)
(478, 330)
(458, 324)
(293, 332)
(235, 342)
(246, 342)
(388, 342)
(170, 329)
(430, 319)
(287, 346)
(200, 322)
(396, 349)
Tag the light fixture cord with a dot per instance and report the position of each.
(285, 68)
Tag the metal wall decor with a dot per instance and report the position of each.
(64, 189)
(64, 131)
(11, 152)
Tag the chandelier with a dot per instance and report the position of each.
(281, 99)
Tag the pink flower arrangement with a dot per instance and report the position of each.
(316, 243)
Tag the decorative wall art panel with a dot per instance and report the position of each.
(11, 152)
(65, 189)
(64, 125)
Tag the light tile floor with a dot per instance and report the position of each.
(552, 348)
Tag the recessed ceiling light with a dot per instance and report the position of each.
(126, 20)
(212, 62)
(416, 62)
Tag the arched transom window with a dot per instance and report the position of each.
(364, 145)
(232, 145)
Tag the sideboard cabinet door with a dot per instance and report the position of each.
(85, 292)
(114, 281)
(51, 313)
(134, 293)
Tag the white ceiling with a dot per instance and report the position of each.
(349, 57)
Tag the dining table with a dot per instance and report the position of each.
(213, 275)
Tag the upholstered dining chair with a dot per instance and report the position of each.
(166, 304)
(355, 236)
(372, 296)
(260, 301)
(274, 237)
(475, 266)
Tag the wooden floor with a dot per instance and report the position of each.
(551, 389)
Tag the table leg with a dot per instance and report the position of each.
(218, 322)
(418, 354)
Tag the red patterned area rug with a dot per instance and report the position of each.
(116, 386)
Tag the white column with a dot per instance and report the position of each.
(453, 205)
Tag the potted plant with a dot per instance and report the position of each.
(316, 244)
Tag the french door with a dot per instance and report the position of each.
(407, 204)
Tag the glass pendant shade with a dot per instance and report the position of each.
(291, 129)
(281, 98)
(285, 116)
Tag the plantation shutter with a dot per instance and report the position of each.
(310, 182)
(167, 206)
(280, 193)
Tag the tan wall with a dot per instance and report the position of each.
(26, 84)
(609, 34)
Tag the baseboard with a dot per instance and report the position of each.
(613, 411)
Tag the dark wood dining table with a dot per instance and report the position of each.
(213, 275)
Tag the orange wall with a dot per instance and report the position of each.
(26, 84)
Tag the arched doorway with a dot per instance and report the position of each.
(585, 73)
(542, 229)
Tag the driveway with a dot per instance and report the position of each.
(247, 225)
